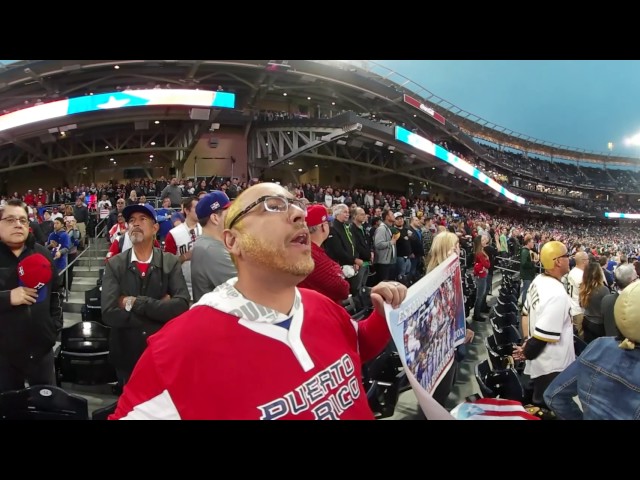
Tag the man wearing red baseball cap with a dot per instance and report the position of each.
(326, 277)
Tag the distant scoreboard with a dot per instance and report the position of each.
(425, 145)
(116, 100)
(631, 216)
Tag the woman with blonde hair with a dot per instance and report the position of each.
(592, 291)
(444, 245)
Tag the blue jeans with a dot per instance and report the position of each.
(525, 288)
(414, 266)
(481, 293)
(403, 266)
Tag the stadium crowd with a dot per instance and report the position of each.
(358, 238)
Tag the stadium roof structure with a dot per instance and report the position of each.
(86, 96)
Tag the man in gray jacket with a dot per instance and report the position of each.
(211, 263)
(384, 244)
(142, 289)
(174, 192)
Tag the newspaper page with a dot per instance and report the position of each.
(428, 326)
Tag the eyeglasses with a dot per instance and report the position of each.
(192, 232)
(12, 221)
(566, 255)
(272, 203)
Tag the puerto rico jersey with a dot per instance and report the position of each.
(208, 364)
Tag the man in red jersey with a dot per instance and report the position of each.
(257, 347)
(326, 277)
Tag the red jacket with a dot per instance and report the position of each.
(481, 265)
(326, 277)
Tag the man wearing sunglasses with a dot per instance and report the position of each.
(546, 322)
(257, 347)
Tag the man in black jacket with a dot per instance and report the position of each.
(403, 249)
(37, 232)
(340, 245)
(29, 318)
(363, 247)
(417, 249)
(142, 289)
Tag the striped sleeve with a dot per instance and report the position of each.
(144, 396)
(326, 278)
(550, 319)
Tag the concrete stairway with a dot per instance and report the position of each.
(85, 276)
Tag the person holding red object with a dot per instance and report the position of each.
(30, 303)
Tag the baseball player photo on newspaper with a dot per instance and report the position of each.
(429, 325)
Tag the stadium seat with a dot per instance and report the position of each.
(384, 379)
(350, 305)
(43, 402)
(500, 321)
(508, 334)
(383, 396)
(83, 355)
(104, 412)
(482, 371)
(92, 308)
(504, 383)
(498, 354)
(505, 307)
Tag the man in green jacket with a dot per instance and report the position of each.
(528, 259)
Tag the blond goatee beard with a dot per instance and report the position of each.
(273, 258)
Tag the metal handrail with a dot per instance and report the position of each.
(65, 271)
(92, 248)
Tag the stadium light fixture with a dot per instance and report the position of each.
(633, 141)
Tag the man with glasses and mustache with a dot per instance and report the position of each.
(29, 317)
(257, 347)
(546, 322)
(142, 289)
(180, 240)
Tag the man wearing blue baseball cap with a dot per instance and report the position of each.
(142, 289)
(211, 263)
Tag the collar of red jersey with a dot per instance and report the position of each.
(260, 319)
(228, 299)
